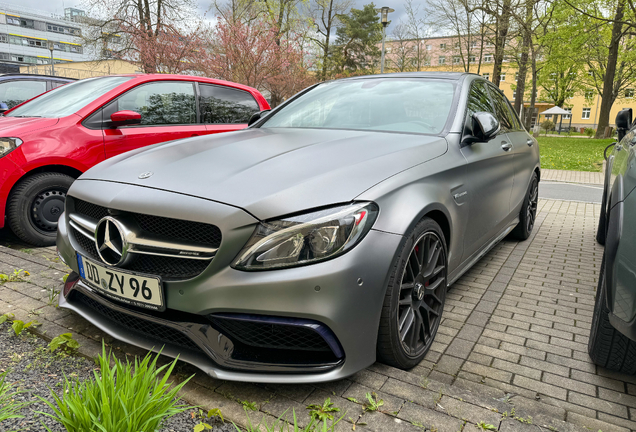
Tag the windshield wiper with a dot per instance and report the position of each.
(24, 116)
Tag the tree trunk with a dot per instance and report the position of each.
(523, 61)
(325, 56)
(503, 22)
(528, 117)
(610, 72)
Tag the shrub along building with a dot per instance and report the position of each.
(448, 54)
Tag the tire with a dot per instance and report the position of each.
(34, 206)
(608, 347)
(528, 214)
(424, 294)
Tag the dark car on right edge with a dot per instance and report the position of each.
(612, 341)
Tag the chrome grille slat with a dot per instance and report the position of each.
(145, 240)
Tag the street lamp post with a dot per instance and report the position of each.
(51, 47)
(384, 19)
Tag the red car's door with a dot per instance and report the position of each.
(168, 112)
(225, 109)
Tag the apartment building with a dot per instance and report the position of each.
(446, 54)
(25, 37)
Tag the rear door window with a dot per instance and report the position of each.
(161, 103)
(15, 92)
(225, 105)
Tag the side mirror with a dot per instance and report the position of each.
(3, 107)
(124, 118)
(257, 116)
(623, 122)
(485, 127)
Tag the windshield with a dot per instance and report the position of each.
(68, 99)
(390, 104)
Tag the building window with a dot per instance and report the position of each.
(629, 93)
(14, 21)
(488, 58)
(586, 113)
(489, 43)
(473, 44)
(427, 62)
(514, 94)
(441, 60)
(589, 94)
(429, 47)
(502, 77)
(486, 76)
(456, 45)
(548, 116)
(473, 59)
(442, 46)
(516, 76)
(590, 73)
(457, 60)
(567, 116)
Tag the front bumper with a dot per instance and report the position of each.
(344, 294)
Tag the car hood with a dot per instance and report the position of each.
(22, 126)
(273, 172)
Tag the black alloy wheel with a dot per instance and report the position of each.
(414, 297)
(531, 210)
(422, 293)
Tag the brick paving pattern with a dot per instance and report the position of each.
(512, 345)
(587, 177)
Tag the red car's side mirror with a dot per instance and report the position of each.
(124, 118)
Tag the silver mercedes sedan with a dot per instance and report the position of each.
(303, 248)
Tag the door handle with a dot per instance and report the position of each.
(506, 145)
(530, 142)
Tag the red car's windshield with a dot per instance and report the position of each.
(68, 99)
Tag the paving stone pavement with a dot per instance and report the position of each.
(568, 176)
(512, 347)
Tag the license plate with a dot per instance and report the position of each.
(125, 287)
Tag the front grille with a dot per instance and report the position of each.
(167, 229)
(148, 329)
(267, 335)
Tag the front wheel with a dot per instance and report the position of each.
(35, 205)
(528, 213)
(608, 347)
(415, 297)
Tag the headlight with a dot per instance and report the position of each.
(306, 238)
(8, 144)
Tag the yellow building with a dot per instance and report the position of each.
(443, 54)
(83, 69)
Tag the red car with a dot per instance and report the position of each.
(47, 142)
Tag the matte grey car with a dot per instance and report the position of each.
(612, 342)
(302, 248)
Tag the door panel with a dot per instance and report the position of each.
(490, 174)
(225, 109)
(168, 112)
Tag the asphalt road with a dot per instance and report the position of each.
(570, 191)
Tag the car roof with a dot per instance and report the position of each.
(166, 77)
(29, 76)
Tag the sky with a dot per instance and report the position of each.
(57, 6)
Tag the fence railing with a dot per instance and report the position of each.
(62, 71)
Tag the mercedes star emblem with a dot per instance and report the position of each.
(145, 175)
(112, 246)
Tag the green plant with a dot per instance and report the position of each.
(373, 403)
(52, 294)
(252, 406)
(9, 408)
(141, 400)
(589, 132)
(18, 326)
(63, 339)
(352, 399)
(26, 250)
(6, 317)
(486, 426)
(547, 125)
(15, 277)
(322, 413)
(214, 412)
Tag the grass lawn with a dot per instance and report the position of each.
(577, 154)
